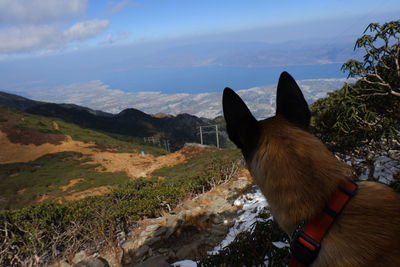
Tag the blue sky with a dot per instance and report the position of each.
(125, 43)
(144, 20)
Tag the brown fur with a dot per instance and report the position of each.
(297, 174)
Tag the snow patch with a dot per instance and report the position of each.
(251, 205)
(185, 263)
(385, 168)
(280, 244)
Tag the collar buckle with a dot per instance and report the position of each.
(304, 248)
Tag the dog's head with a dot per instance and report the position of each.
(245, 131)
(290, 165)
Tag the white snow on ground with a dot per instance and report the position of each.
(280, 244)
(386, 166)
(185, 263)
(252, 204)
(385, 169)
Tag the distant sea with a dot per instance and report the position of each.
(212, 78)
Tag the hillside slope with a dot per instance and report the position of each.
(178, 130)
(43, 158)
(17, 102)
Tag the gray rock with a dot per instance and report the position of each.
(64, 264)
(114, 257)
(182, 215)
(163, 251)
(80, 256)
(140, 241)
(172, 221)
(229, 223)
(160, 231)
(156, 261)
(187, 250)
(171, 254)
(128, 245)
(153, 240)
(152, 228)
(204, 217)
(218, 230)
(216, 219)
(61, 263)
(142, 251)
(92, 262)
(170, 232)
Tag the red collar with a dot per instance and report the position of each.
(306, 242)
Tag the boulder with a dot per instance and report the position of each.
(155, 261)
(92, 262)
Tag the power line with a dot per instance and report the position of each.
(201, 132)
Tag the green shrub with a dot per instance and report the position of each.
(344, 121)
(369, 110)
(51, 230)
(45, 176)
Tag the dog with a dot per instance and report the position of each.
(298, 176)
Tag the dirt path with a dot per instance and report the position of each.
(13, 152)
(71, 184)
(134, 164)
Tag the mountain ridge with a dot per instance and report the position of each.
(97, 95)
(178, 130)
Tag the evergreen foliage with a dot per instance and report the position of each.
(368, 110)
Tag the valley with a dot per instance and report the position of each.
(51, 168)
(31, 144)
(68, 172)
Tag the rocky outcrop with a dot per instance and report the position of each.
(194, 227)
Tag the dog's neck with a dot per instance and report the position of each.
(295, 172)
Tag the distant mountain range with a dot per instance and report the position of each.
(97, 95)
(177, 117)
(178, 129)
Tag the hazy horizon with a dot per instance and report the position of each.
(178, 47)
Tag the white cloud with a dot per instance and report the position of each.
(39, 11)
(113, 38)
(85, 29)
(26, 38)
(119, 6)
(40, 25)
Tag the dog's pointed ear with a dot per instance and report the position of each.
(242, 127)
(290, 102)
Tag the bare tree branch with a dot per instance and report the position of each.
(375, 83)
(397, 57)
(395, 93)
